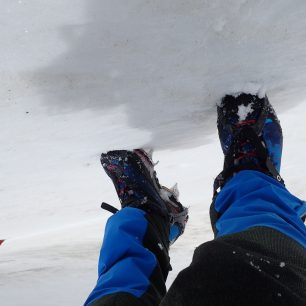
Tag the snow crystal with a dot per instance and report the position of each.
(255, 266)
(243, 111)
(167, 193)
(282, 264)
(164, 194)
(264, 260)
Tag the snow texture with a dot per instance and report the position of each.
(243, 111)
(81, 77)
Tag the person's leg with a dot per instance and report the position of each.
(253, 262)
(134, 261)
(258, 256)
(254, 199)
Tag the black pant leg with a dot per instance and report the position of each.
(259, 266)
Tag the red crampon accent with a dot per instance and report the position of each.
(247, 122)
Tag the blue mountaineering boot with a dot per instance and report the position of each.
(136, 183)
(250, 135)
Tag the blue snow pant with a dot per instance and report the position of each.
(258, 256)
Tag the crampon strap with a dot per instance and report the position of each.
(109, 208)
(266, 166)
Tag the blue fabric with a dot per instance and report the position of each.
(124, 264)
(273, 138)
(175, 232)
(251, 199)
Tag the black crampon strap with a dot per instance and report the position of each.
(109, 208)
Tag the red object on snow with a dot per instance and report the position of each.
(1, 241)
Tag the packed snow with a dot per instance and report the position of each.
(81, 77)
(243, 111)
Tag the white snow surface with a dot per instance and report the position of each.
(81, 77)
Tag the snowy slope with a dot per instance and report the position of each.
(80, 77)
